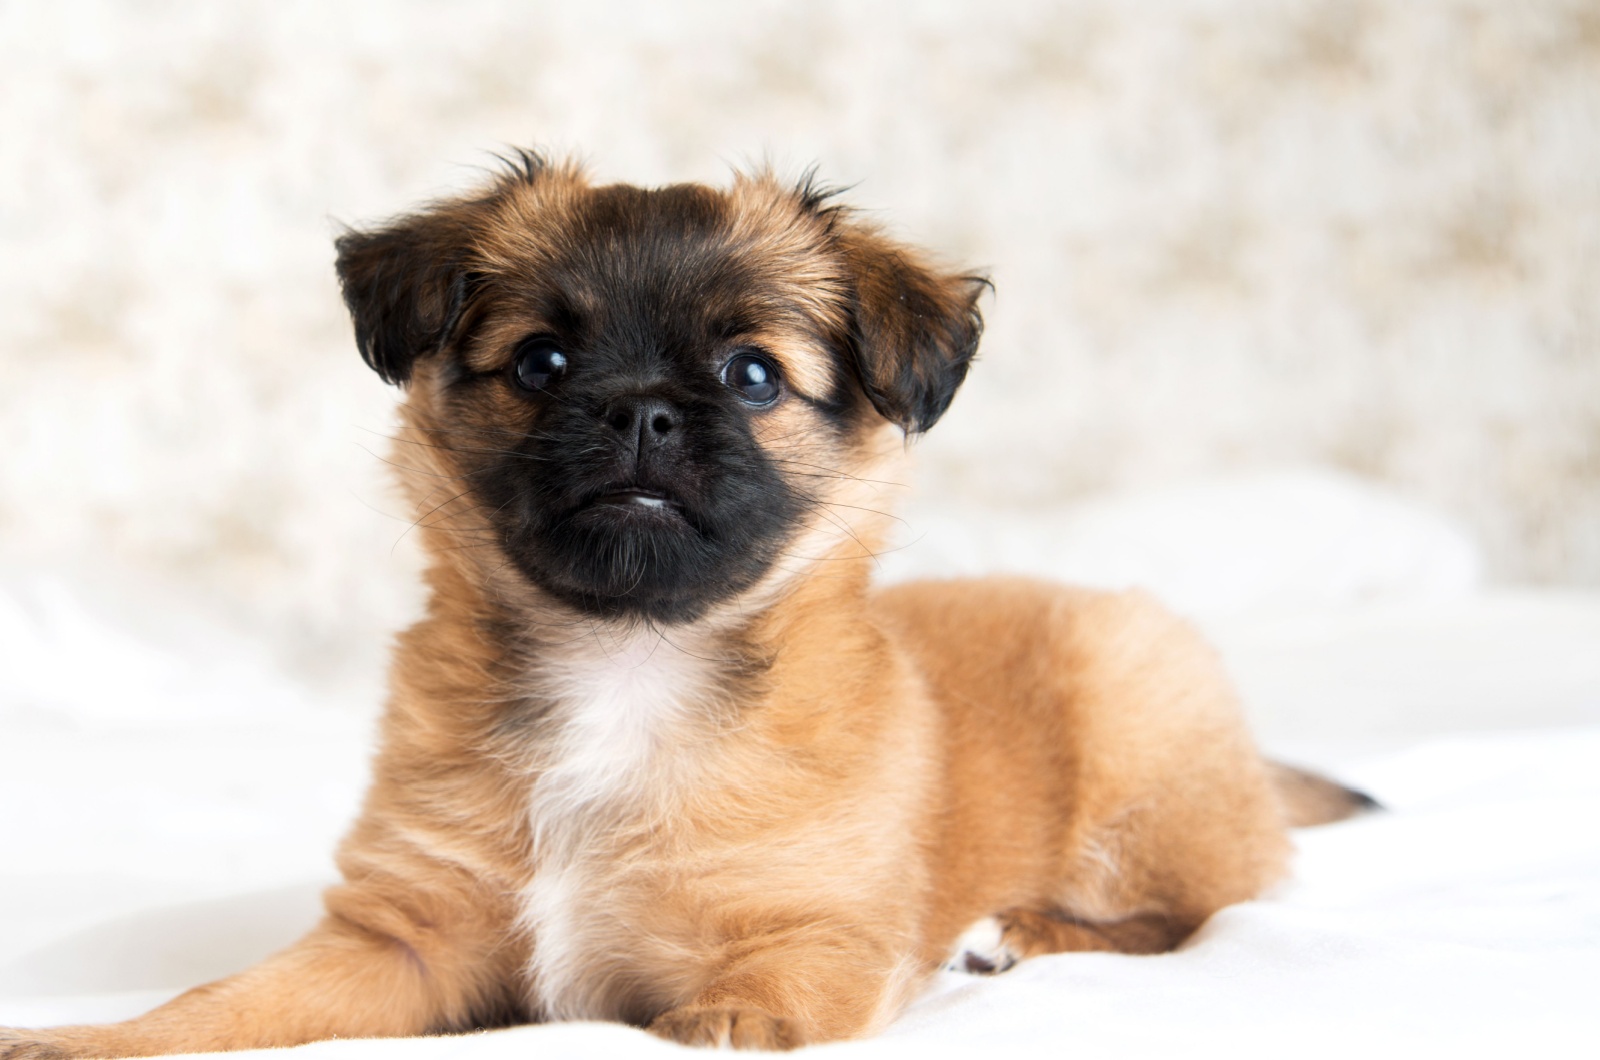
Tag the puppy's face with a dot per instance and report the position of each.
(641, 400)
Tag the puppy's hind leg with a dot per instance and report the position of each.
(1030, 932)
(1172, 815)
(996, 943)
(1176, 816)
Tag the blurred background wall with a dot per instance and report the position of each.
(1226, 235)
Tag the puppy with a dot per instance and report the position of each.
(659, 752)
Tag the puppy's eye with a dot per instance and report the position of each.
(753, 376)
(539, 362)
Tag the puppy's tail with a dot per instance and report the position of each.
(1309, 798)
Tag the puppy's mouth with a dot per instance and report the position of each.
(632, 504)
(638, 497)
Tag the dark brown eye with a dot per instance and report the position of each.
(753, 376)
(539, 362)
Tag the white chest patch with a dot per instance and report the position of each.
(624, 704)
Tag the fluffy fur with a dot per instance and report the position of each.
(658, 752)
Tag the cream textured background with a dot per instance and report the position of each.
(1231, 235)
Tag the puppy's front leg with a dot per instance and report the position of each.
(343, 980)
(796, 991)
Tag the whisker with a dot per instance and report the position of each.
(425, 515)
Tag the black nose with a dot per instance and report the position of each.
(648, 421)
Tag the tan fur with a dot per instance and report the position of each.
(766, 827)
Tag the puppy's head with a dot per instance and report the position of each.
(644, 401)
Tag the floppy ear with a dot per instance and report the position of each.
(405, 285)
(916, 329)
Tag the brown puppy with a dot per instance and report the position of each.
(658, 753)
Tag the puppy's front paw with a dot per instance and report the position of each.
(29, 1045)
(742, 1028)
